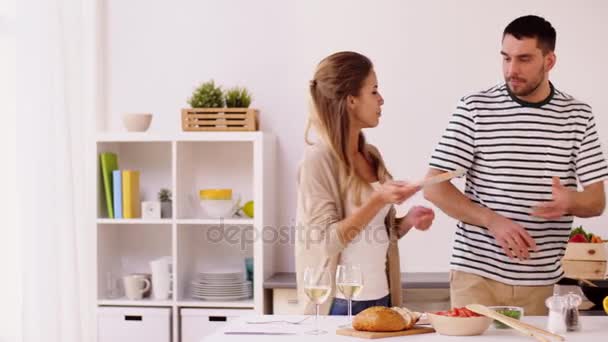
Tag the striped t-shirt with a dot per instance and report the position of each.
(510, 150)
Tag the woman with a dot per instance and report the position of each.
(346, 196)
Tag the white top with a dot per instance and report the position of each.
(368, 250)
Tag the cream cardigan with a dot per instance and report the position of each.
(319, 208)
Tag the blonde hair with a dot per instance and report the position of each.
(337, 76)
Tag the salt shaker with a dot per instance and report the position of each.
(572, 301)
(557, 318)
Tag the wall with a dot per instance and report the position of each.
(10, 245)
(427, 55)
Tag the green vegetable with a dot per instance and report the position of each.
(509, 313)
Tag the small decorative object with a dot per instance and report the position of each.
(246, 209)
(150, 210)
(137, 122)
(237, 97)
(208, 112)
(249, 268)
(164, 196)
(218, 203)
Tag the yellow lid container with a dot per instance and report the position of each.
(215, 194)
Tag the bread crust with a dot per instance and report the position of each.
(383, 319)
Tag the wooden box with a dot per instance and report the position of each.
(585, 260)
(219, 119)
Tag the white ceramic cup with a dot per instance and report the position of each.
(161, 278)
(135, 286)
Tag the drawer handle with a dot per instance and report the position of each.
(292, 301)
(132, 318)
(217, 319)
(591, 251)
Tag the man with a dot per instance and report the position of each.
(524, 145)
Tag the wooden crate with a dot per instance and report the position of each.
(585, 260)
(583, 269)
(219, 119)
(586, 251)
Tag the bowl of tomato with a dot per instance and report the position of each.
(459, 322)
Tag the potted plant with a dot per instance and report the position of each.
(207, 95)
(237, 97)
(209, 114)
(164, 196)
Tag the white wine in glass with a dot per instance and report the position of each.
(349, 281)
(350, 290)
(317, 294)
(317, 286)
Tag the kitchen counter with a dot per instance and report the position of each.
(413, 280)
(594, 328)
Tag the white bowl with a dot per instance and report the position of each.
(218, 208)
(459, 326)
(136, 122)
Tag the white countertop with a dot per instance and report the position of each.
(594, 328)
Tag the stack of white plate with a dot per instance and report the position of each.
(221, 286)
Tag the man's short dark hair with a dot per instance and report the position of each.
(532, 26)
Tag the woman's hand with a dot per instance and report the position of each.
(396, 192)
(418, 217)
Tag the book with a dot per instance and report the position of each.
(109, 163)
(131, 206)
(117, 193)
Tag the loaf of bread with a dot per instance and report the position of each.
(383, 319)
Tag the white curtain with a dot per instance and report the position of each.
(54, 129)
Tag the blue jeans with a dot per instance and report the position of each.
(339, 307)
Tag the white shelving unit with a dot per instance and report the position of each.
(185, 163)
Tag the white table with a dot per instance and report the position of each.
(594, 328)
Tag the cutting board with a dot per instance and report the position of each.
(417, 329)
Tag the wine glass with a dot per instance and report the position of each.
(349, 281)
(317, 286)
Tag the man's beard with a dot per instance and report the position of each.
(528, 89)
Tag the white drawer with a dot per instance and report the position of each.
(121, 324)
(285, 302)
(198, 323)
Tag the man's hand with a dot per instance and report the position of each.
(512, 237)
(559, 206)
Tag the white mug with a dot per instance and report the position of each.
(135, 286)
(161, 277)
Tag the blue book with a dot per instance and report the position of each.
(117, 187)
